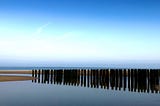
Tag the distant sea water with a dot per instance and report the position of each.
(113, 66)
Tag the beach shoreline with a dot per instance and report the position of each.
(15, 71)
(9, 77)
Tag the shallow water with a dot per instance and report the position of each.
(71, 88)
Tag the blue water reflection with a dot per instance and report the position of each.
(28, 93)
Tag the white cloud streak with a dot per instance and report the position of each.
(41, 28)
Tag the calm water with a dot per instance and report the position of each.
(84, 88)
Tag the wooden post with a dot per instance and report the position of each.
(112, 78)
(156, 80)
(84, 77)
(132, 80)
(42, 81)
(51, 79)
(88, 75)
(78, 77)
(117, 79)
(39, 75)
(124, 76)
(107, 78)
(97, 78)
(129, 79)
(32, 74)
(120, 79)
(136, 79)
(91, 78)
(35, 75)
(101, 78)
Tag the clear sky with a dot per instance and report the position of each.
(79, 32)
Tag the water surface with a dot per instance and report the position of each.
(84, 88)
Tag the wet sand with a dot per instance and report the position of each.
(9, 77)
(15, 72)
(15, 78)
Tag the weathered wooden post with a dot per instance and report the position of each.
(94, 78)
(139, 80)
(120, 79)
(107, 77)
(129, 79)
(78, 77)
(81, 77)
(100, 78)
(36, 75)
(84, 77)
(42, 76)
(91, 78)
(156, 81)
(88, 75)
(75, 77)
(72, 76)
(112, 78)
(64, 77)
(132, 79)
(59, 76)
(145, 80)
(97, 78)
(51, 78)
(124, 76)
(47, 76)
(39, 72)
(32, 74)
(136, 79)
(148, 80)
(117, 79)
(55, 75)
(152, 80)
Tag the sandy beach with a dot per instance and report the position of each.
(15, 72)
(10, 77)
(15, 78)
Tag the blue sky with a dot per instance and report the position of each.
(79, 32)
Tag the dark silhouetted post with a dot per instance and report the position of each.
(42, 81)
(132, 79)
(107, 78)
(117, 83)
(135, 82)
(120, 79)
(129, 79)
(32, 74)
(101, 78)
(88, 75)
(55, 76)
(112, 78)
(156, 81)
(81, 77)
(124, 76)
(36, 75)
(78, 77)
(97, 78)
(84, 77)
(39, 73)
(91, 78)
(51, 76)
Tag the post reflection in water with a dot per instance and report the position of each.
(134, 80)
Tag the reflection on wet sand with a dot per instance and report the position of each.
(134, 80)
(6, 78)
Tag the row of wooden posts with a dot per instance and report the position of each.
(135, 80)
